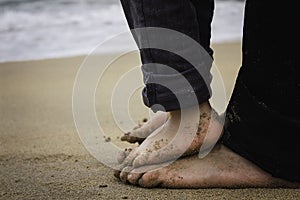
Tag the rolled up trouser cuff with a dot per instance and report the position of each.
(176, 91)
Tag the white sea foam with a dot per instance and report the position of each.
(36, 29)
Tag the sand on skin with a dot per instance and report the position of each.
(41, 155)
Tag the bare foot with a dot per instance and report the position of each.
(168, 143)
(221, 168)
(142, 131)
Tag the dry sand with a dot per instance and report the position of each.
(41, 155)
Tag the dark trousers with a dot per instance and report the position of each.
(263, 112)
(192, 18)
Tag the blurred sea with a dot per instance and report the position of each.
(37, 29)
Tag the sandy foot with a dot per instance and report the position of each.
(141, 132)
(168, 143)
(221, 168)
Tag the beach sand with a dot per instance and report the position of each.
(41, 155)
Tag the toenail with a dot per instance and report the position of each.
(141, 181)
(117, 173)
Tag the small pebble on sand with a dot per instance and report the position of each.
(103, 186)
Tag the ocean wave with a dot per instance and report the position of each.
(35, 29)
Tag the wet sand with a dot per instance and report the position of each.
(41, 155)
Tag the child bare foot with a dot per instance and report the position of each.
(168, 143)
(221, 168)
(141, 132)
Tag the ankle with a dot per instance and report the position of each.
(205, 107)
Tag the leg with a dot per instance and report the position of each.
(172, 15)
(264, 109)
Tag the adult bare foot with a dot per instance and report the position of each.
(168, 143)
(220, 168)
(142, 131)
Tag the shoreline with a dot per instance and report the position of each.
(102, 53)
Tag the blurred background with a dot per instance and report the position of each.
(38, 29)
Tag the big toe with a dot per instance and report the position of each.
(134, 176)
(149, 179)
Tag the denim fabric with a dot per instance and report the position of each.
(190, 17)
(264, 110)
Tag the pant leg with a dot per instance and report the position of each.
(190, 17)
(263, 113)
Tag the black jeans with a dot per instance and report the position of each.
(263, 112)
(192, 18)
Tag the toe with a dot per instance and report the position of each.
(121, 157)
(117, 174)
(153, 158)
(134, 177)
(141, 160)
(118, 169)
(123, 154)
(124, 173)
(142, 131)
(130, 158)
(149, 179)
